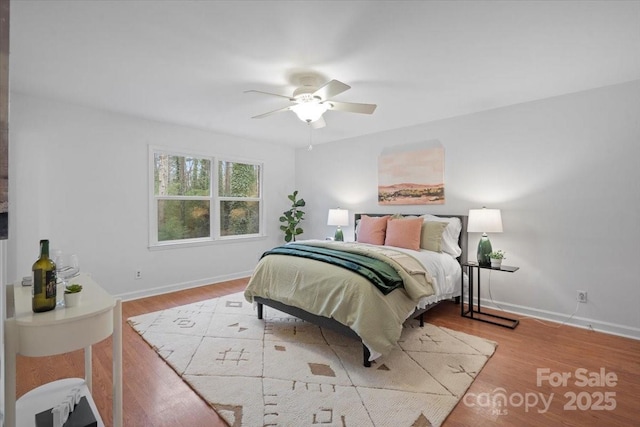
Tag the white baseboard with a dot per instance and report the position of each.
(577, 321)
(128, 296)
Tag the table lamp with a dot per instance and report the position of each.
(338, 217)
(484, 221)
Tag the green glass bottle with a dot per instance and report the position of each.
(44, 281)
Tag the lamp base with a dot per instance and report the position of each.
(339, 237)
(484, 249)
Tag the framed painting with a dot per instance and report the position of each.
(411, 175)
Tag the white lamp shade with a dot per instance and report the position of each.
(484, 221)
(338, 217)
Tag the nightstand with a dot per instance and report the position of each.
(477, 313)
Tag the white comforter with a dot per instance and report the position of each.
(445, 271)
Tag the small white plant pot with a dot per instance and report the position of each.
(72, 300)
(496, 263)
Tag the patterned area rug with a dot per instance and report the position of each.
(282, 371)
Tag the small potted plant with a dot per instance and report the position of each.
(496, 258)
(72, 295)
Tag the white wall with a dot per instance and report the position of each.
(565, 173)
(79, 177)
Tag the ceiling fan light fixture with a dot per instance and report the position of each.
(309, 111)
(310, 102)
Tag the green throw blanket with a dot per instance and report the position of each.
(379, 273)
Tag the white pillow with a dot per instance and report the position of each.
(450, 235)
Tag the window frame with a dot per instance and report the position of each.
(214, 200)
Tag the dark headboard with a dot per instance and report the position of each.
(463, 239)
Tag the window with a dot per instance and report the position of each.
(239, 196)
(200, 199)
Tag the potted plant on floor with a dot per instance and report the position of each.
(496, 258)
(292, 217)
(72, 295)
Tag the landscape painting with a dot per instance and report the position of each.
(411, 176)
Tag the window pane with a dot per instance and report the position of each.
(183, 219)
(181, 176)
(238, 179)
(238, 217)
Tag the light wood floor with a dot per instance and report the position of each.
(154, 396)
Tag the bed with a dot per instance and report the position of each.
(346, 299)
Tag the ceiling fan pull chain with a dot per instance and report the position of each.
(310, 136)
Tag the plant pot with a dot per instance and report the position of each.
(496, 263)
(72, 300)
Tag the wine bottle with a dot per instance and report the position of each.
(44, 281)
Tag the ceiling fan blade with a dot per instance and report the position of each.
(331, 89)
(352, 107)
(269, 93)
(279, 110)
(318, 124)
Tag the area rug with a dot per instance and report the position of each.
(282, 371)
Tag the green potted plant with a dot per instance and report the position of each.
(72, 295)
(292, 217)
(496, 258)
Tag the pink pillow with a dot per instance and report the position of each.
(404, 233)
(371, 229)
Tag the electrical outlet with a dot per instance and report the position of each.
(581, 296)
(138, 274)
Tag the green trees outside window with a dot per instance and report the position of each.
(239, 193)
(185, 196)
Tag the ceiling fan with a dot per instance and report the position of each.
(310, 102)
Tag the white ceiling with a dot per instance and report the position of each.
(189, 62)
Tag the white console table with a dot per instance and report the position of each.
(98, 316)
